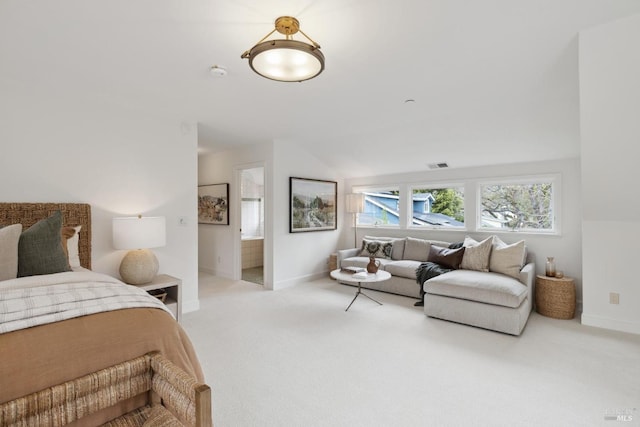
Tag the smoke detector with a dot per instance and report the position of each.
(218, 71)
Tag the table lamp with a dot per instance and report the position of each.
(139, 234)
(355, 205)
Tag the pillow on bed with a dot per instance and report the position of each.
(9, 237)
(40, 248)
(70, 237)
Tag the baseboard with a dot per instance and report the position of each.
(300, 279)
(207, 270)
(215, 272)
(608, 323)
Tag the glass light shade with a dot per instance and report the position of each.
(286, 60)
(139, 232)
(355, 203)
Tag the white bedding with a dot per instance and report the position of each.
(36, 300)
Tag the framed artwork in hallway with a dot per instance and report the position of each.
(312, 205)
(213, 204)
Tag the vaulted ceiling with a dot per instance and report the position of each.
(490, 81)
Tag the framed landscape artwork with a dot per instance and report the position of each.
(213, 204)
(312, 205)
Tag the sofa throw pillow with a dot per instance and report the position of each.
(398, 245)
(40, 248)
(449, 258)
(376, 248)
(507, 259)
(70, 238)
(476, 254)
(416, 249)
(9, 237)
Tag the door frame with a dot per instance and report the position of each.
(237, 216)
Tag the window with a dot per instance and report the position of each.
(381, 208)
(441, 206)
(519, 205)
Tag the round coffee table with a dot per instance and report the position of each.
(341, 276)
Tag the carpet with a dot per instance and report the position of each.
(294, 357)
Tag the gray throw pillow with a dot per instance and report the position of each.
(40, 248)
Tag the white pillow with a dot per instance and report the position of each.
(507, 259)
(9, 238)
(72, 248)
(476, 254)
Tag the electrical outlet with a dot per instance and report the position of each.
(614, 298)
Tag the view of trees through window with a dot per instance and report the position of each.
(438, 207)
(517, 206)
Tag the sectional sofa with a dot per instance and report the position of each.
(491, 286)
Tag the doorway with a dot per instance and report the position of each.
(252, 224)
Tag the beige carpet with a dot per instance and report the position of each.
(295, 358)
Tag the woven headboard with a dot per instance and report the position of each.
(73, 214)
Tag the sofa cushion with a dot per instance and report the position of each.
(376, 248)
(398, 244)
(361, 261)
(416, 249)
(489, 288)
(449, 258)
(403, 268)
(476, 254)
(507, 259)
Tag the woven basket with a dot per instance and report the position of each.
(556, 297)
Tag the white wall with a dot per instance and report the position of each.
(299, 257)
(610, 132)
(219, 245)
(121, 162)
(566, 247)
(289, 258)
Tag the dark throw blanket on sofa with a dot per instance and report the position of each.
(426, 271)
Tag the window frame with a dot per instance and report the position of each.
(556, 188)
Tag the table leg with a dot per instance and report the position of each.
(356, 296)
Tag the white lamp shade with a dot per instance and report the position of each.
(355, 203)
(139, 232)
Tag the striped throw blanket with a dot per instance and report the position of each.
(37, 300)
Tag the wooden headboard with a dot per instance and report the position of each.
(73, 214)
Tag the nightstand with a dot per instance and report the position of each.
(555, 297)
(173, 287)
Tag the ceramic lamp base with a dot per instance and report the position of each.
(138, 267)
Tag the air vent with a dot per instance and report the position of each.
(440, 165)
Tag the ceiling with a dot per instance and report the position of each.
(492, 81)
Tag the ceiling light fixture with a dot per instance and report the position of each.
(286, 60)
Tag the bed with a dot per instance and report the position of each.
(59, 326)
